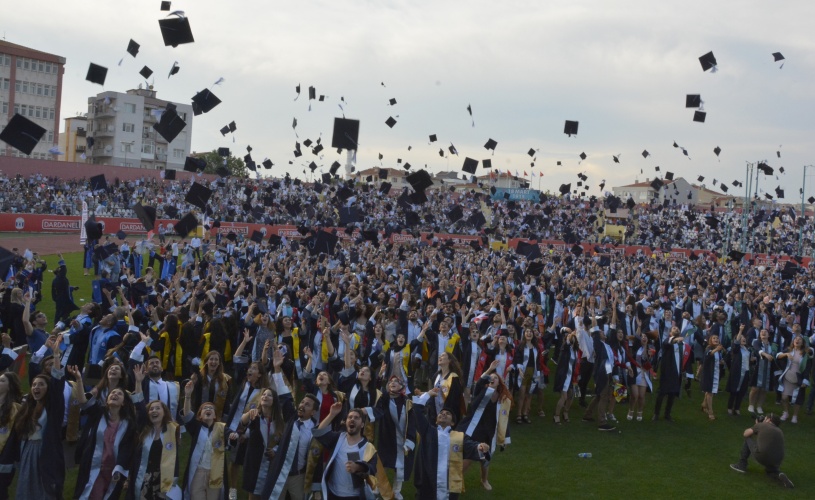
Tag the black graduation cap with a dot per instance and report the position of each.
(577, 250)
(570, 128)
(390, 122)
(105, 251)
(487, 164)
(316, 149)
(169, 175)
(121, 235)
(257, 236)
(383, 173)
(418, 198)
(96, 74)
(231, 236)
(385, 188)
(455, 214)
(811, 200)
(630, 203)
(708, 61)
(165, 5)
(170, 124)
(206, 100)
(22, 134)
(777, 56)
(392, 101)
(133, 47)
(186, 225)
(583, 156)
(768, 196)
(322, 242)
(312, 93)
(175, 69)
(6, 260)
(565, 188)
(645, 153)
(419, 180)
(334, 167)
(669, 176)
(267, 164)
(723, 186)
(701, 178)
(779, 192)
(98, 182)
(768, 170)
(693, 100)
(717, 150)
(346, 134)
(535, 269)
(93, 229)
(146, 72)
(529, 250)
(452, 149)
(176, 31)
(433, 138)
(470, 165)
(736, 255)
(531, 152)
(344, 193)
(657, 184)
(193, 164)
(491, 144)
(699, 116)
(146, 214)
(198, 195)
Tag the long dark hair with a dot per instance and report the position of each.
(103, 382)
(128, 411)
(147, 429)
(14, 395)
(25, 423)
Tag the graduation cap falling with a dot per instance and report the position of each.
(693, 101)
(133, 48)
(390, 122)
(170, 124)
(186, 225)
(433, 138)
(766, 169)
(146, 72)
(175, 69)
(345, 134)
(777, 56)
(96, 74)
(570, 128)
(717, 150)
(98, 182)
(779, 192)
(165, 6)
(198, 195)
(470, 165)
(491, 144)
(22, 134)
(146, 215)
(708, 62)
(699, 116)
(470, 110)
(176, 30)
(616, 158)
(206, 100)
(226, 129)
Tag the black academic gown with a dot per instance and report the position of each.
(670, 374)
(386, 444)
(87, 446)
(428, 454)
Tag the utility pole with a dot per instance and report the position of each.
(746, 207)
(803, 210)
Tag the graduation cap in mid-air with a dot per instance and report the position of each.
(205, 100)
(146, 215)
(570, 128)
(170, 124)
(186, 225)
(176, 31)
(346, 134)
(198, 195)
(22, 134)
(96, 74)
(708, 61)
(133, 47)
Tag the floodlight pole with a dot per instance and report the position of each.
(803, 210)
(746, 207)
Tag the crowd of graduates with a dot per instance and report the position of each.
(348, 373)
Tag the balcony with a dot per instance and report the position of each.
(101, 153)
(106, 112)
(80, 132)
(161, 157)
(108, 132)
(80, 149)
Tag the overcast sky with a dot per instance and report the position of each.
(622, 69)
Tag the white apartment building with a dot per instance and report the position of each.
(31, 85)
(121, 125)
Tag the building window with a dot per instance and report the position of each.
(178, 153)
(183, 116)
(5, 108)
(17, 109)
(50, 137)
(127, 147)
(48, 67)
(128, 127)
(51, 114)
(38, 112)
(130, 107)
(6, 83)
(39, 89)
(18, 85)
(147, 148)
(25, 88)
(41, 67)
(26, 64)
(24, 109)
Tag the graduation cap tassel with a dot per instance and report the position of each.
(219, 81)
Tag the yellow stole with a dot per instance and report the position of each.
(6, 431)
(446, 383)
(169, 454)
(455, 464)
(253, 401)
(368, 431)
(451, 343)
(503, 419)
(367, 455)
(220, 397)
(216, 471)
(165, 354)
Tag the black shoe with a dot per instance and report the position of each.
(739, 467)
(668, 418)
(606, 427)
(582, 403)
(785, 481)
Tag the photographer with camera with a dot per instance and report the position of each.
(765, 442)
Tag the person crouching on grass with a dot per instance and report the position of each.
(765, 442)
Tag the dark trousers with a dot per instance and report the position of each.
(668, 406)
(586, 369)
(599, 404)
(749, 448)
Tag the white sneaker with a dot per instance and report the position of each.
(751, 409)
(233, 494)
(794, 419)
(784, 416)
(760, 410)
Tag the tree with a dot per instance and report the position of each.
(236, 166)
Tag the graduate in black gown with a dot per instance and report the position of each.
(675, 354)
(397, 433)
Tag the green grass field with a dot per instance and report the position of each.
(687, 458)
